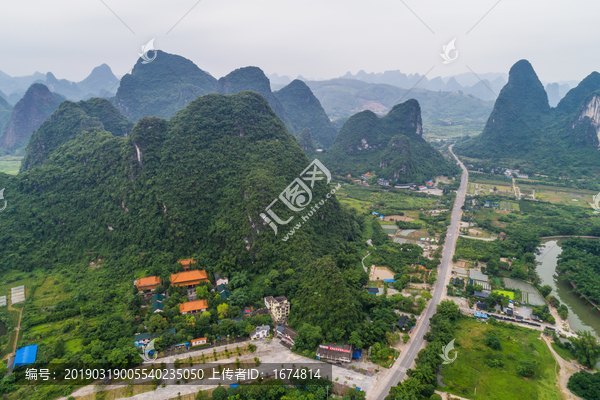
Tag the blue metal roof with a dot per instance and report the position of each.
(357, 354)
(25, 355)
(389, 280)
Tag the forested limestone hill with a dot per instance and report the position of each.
(70, 120)
(304, 110)
(28, 114)
(195, 184)
(524, 129)
(162, 87)
(392, 147)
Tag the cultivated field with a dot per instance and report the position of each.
(10, 165)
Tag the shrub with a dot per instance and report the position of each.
(493, 343)
(526, 368)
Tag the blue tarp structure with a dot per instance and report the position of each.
(357, 354)
(25, 355)
(234, 385)
(389, 280)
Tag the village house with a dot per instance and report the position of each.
(142, 339)
(147, 284)
(335, 352)
(199, 341)
(287, 334)
(193, 307)
(189, 279)
(279, 308)
(158, 307)
(261, 332)
(220, 280)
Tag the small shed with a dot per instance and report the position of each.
(25, 355)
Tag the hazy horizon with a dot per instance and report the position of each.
(311, 39)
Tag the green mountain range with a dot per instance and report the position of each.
(392, 147)
(70, 120)
(195, 184)
(523, 129)
(162, 87)
(28, 114)
(305, 111)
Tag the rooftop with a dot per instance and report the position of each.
(193, 306)
(194, 275)
(148, 281)
(187, 261)
(478, 275)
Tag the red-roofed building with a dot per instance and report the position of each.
(147, 284)
(189, 279)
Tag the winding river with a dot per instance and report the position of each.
(581, 316)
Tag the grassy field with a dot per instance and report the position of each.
(10, 165)
(471, 377)
(577, 197)
(361, 198)
(511, 295)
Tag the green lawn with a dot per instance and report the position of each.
(511, 295)
(471, 377)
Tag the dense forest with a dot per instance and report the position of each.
(579, 263)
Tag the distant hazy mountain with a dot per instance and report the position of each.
(304, 110)
(28, 114)
(100, 79)
(162, 87)
(10, 84)
(279, 80)
(67, 88)
(68, 121)
(468, 83)
(5, 112)
(556, 92)
(392, 147)
(342, 98)
(522, 126)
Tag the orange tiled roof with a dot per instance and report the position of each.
(187, 261)
(148, 281)
(192, 277)
(193, 306)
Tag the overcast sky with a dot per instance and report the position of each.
(314, 38)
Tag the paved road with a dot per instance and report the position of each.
(403, 363)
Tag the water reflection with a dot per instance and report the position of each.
(581, 316)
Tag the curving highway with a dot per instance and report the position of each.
(408, 355)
